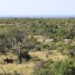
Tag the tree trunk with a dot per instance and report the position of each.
(20, 55)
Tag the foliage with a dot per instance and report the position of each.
(56, 68)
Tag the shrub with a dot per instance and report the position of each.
(71, 52)
(56, 68)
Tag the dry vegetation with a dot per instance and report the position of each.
(49, 40)
(26, 68)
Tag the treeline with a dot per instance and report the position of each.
(53, 28)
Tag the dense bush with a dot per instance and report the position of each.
(15, 32)
(53, 28)
(15, 35)
(56, 68)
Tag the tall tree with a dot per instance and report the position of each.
(19, 40)
(14, 40)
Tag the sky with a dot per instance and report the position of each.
(22, 8)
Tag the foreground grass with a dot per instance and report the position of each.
(54, 55)
(22, 69)
(26, 68)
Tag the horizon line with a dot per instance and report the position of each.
(40, 16)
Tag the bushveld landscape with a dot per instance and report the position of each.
(37, 46)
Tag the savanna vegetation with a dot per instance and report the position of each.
(37, 46)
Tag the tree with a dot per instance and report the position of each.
(14, 40)
(19, 40)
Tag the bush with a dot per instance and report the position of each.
(25, 55)
(56, 68)
(71, 52)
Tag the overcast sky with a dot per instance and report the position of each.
(37, 7)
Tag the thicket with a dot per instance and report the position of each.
(16, 31)
(65, 67)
